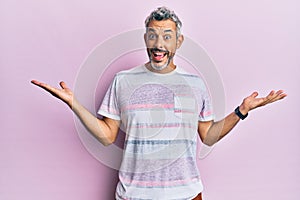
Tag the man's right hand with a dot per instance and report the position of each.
(105, 129)
(64, 94)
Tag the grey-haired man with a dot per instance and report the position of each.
(162, 109)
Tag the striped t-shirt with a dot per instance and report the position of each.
(159, 114)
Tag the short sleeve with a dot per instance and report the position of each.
(109, 107)
(206, 111)
(205, 107)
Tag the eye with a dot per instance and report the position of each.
(151, 36)
(167, 37)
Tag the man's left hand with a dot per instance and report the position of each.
(251, 102)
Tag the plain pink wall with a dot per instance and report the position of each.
(254, 44)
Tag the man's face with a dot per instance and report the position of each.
(161, 42)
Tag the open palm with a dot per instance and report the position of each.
(63, 93)
(252, 102)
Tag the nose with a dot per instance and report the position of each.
(159, 43)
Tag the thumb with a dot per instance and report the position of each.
(63, 85)
(254, 94)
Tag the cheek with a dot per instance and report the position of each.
(171, 48)
(150, 43)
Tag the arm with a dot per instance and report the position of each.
(211, 132)
(105, 130)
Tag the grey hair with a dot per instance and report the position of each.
(163, 13)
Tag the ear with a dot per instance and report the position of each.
(180, 40)
(145, 38)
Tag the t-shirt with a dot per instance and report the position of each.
(159, 114)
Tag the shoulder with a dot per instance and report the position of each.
(132, 71)
(128, 73)
(191, 77)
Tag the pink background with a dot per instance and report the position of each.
(255, 45)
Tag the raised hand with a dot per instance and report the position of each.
(64, 93)
(252, 102)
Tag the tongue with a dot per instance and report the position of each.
(158, 56)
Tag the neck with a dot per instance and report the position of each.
(170, 67)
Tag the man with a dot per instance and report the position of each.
(162, 109)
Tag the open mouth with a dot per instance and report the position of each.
(158, 55)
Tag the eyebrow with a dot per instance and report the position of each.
(165, 31)
(168, 30)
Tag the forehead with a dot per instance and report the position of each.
(162, 25)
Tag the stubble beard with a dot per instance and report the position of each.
(160, 68)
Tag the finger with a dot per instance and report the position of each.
(35, 82)
(254, 94)
(283, 94)
(63, 85)
(271, 94)
(274, 96)
(40, 84)
(44, 86)
(279, 95)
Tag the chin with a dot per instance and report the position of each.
(158, 67)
